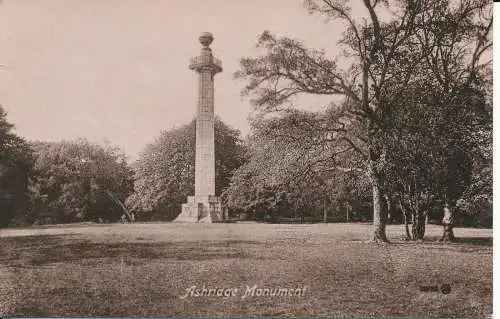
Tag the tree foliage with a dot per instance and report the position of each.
(15, 170)
(291, 171)
(72, 180)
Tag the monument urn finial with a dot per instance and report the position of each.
(206, 39)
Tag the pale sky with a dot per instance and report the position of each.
(117, 70)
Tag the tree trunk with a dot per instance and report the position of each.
(325, 217)
(379, 214)
(421, 229)
(413, 225)
(407, 228)
(448, 224)
(418, 227)
(417, 221)
(390, 207)
(347, 212)
(405, 216)
(423, 225)
(121, 205)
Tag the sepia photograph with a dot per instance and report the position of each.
(258, 158)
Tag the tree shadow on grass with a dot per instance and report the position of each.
(480, 245)
(36, 240)
(472, 241)
(480, 241)
(33, 251)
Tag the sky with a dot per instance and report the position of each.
(117, 70)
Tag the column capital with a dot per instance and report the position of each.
(205, 63)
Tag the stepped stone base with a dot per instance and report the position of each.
(202, 209)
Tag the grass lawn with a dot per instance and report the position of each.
(143, 269)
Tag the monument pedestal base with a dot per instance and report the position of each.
(202, 209)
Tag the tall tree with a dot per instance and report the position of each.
(164, 173)
(15, 170)
(427, 163)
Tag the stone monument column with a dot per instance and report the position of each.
(204, 206)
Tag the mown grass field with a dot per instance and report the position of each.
(143, 269)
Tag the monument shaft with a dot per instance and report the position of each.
(205, 142)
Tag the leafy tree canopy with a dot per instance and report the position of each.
(73, 178)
